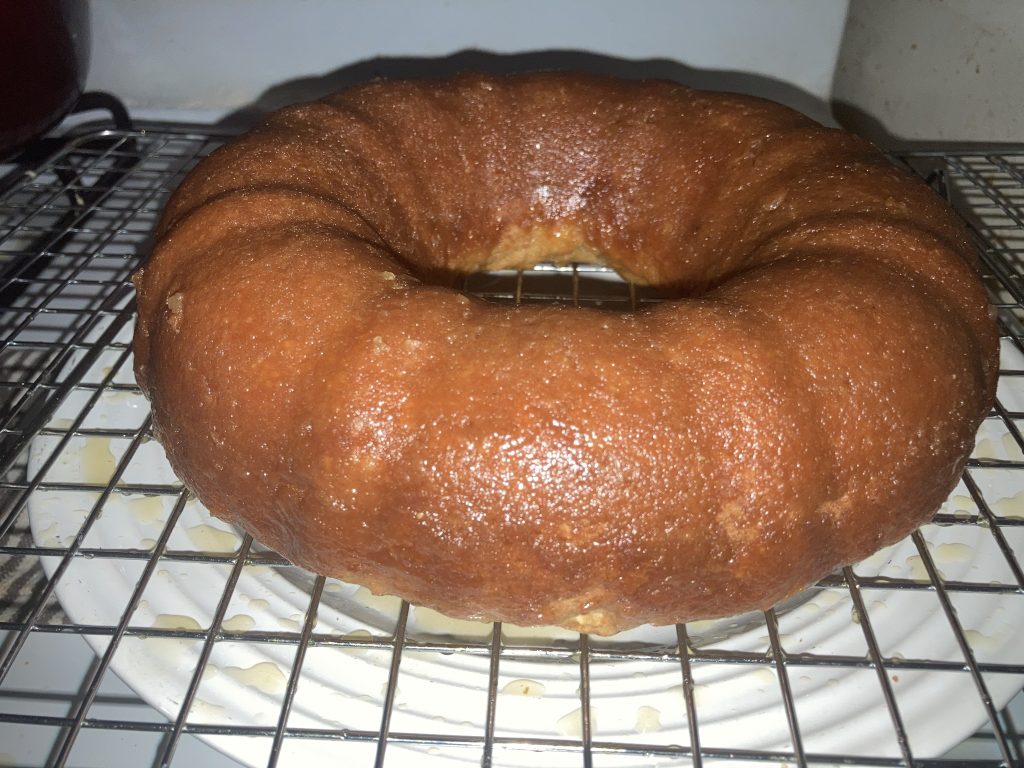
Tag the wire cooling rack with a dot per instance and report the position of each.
(135, 628)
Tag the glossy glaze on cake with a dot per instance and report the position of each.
(812, 395)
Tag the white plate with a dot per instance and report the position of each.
(840, 708)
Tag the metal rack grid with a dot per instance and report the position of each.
(71, 232)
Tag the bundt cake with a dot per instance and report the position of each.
(811, 395)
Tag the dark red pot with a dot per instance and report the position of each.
(44, 51)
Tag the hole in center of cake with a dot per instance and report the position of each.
(575, 284)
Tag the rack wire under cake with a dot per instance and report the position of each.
(106, 561)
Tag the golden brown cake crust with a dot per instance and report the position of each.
(814, 397)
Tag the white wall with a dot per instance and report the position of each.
(933, 70)
(219, 55)
(896, 70)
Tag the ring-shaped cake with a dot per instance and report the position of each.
(810, 395)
